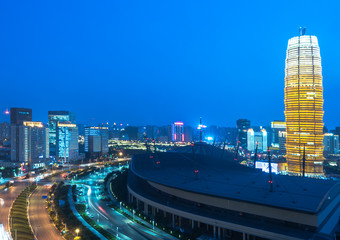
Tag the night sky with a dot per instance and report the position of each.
(155, 62)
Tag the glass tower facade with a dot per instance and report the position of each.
(53, 118)
(304, 106)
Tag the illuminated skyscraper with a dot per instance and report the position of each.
(177, 132)
(304, 105)
(53, 118)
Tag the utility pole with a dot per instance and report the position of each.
(270, 171)
(201, 129)
(255, 156)
(304, 160)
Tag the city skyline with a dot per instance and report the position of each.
(103, 74)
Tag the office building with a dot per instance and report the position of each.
(4, 131)
(67, 141)
(282, 142)
(258, 138)
(277, 127)
(53, 118)
(242, 126)
(30, 146)
(96, 139)
(304, 105)
(19, 115)
(331, 143)
(177, 132)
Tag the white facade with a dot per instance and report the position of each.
(259, 138)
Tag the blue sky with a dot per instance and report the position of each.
(154, 62)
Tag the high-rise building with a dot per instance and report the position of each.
(67, 141)
(277, 127)
(259, 138)
(19, 115)
(53, 118)
(331, 143)
(30, 147)
(4, 131)
(96, 139)
(242, 126)
(282, 142)
(304, 105)
(177, 132)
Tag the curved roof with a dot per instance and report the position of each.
(224, 178)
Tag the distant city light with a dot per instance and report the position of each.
(6, 112)
(209, 138)
(201, 126)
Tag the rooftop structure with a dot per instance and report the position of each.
(226, 187)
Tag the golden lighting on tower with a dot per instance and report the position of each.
(304, 106)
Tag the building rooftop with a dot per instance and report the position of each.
(207, 173)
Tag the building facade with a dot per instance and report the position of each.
(242, 126)
(277, 127)
(257, 138)
(53, 118)
(4, 131)
(96, 139)
(331, 143)
(19, 115)
(67, 141)
(304, 105)
(177, 132)
(30, 147)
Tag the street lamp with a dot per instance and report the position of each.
(77, 231)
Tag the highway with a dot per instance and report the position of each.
(39, 218)
(7, 197)
(104, 215)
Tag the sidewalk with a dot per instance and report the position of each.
(75, 212)
(147, 231)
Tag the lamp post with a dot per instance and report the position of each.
(77, 231)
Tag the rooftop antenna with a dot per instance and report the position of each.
(255, 156)
(201, 129)
(270, 171)
(302, 31)
(304, 160)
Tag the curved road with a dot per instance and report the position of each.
(7, 197)
(43, 228)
